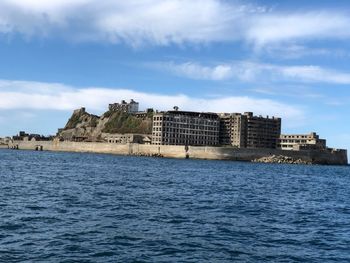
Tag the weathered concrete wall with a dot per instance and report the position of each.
(197, 152)
(245, 154)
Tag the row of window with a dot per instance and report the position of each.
(194, 132)
(190, 136)
(186, 127)
(192, 125)
(185, 142)
(182, 119)
(297, 136)
(296, 141)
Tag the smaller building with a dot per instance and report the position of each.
(119, 138)
(5, 141)
(131, 107)
(299, 142)
(23, 136)
(144, 114)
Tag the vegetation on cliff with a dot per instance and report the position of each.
(84, 125)
(81, 117)
(122, 122)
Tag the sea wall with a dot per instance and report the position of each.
(334, 157)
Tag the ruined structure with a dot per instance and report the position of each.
(23, 136)
(85, 127)
(126, 138)
(184, 134)
(262, 132)
(249, 131)
(298, 142)
(233, 130)
(131, 107)
(185, 128)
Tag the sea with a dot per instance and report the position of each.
(74, 207)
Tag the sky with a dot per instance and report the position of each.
(277, 58)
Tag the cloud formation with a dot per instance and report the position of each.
(20, 95)
(165, 22)
(247, 71)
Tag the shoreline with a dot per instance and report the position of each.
(333, 157)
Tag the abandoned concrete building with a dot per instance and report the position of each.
(233, 129)
(177, 127)
(262, 132)
(23, 136)
(126, 138)
(299, 142)
(249, 131)
(131, 107)
(185, 128)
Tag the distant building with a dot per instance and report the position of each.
(262, 132)
(144, 114)
(5, 140)
(131, 107)
(185, 128)
(249, 131)
(233, 129)
(119, 138)
(298, 142)
(23, 136)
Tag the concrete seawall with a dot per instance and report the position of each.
(338, 157)
(335, 157)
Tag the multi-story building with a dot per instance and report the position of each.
(247, 130)
(185, 128)
(131, 107)
(301, 141)
(262, 132)
(233, 129)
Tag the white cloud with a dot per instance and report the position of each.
(315, 74)
(164, 22)
(247, 71)
(197, 71)
(159, 22)
(295, 51)
(46, 96)
(272, 28)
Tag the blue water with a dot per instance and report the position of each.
(69, 207)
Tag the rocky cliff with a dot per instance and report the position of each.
(83, 126)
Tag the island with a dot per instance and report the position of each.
(125, 130)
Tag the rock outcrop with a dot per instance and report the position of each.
(83, 126)
(280, 159)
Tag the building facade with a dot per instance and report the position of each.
(126, 138)
(262, 132)
(249, 131)
(233, 130)
(185, 128)
(298, 142)
(131, 107)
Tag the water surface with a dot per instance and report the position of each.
(69, 207)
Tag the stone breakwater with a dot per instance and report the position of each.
(147, 155)
(281, 159)
(329, 157)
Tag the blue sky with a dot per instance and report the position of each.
(286, 59)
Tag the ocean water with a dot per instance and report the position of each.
(70, 207)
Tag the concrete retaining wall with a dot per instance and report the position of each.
(215, 153)
(244, 154)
